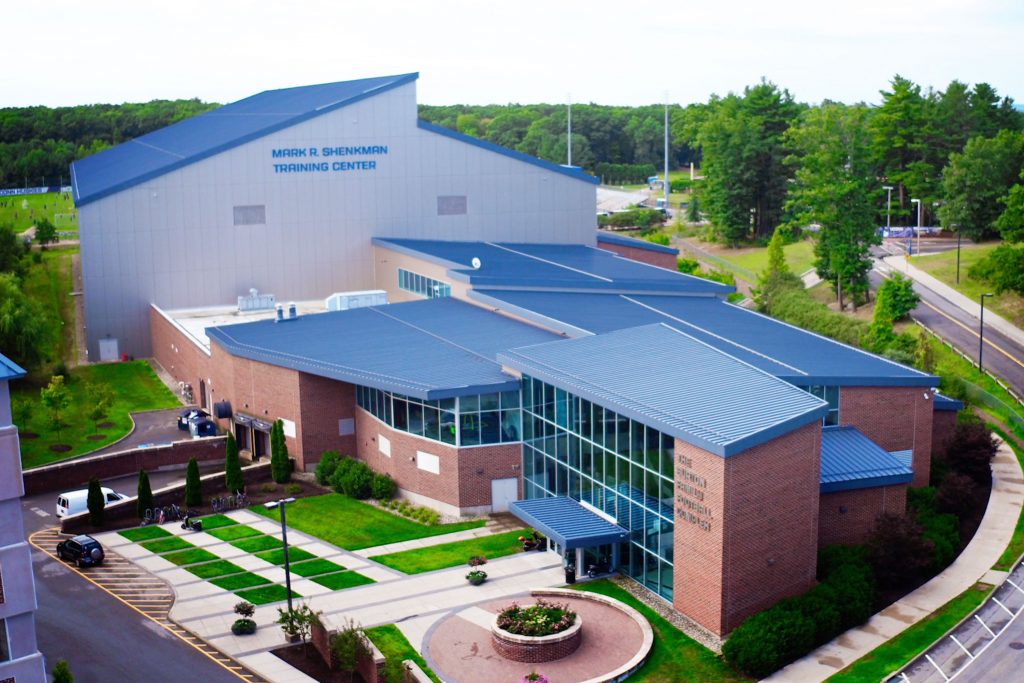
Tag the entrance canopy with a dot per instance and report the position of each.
(567, 523)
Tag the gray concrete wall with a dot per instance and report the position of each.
(172, 240)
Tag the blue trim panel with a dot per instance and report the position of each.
(869, 483)
(567, 522)
(236, 142)
(518, 156)
(622, 240)
(9, 369)
(947, 403)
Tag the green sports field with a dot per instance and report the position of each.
(21, 212)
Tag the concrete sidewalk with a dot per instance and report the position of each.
(899, 264)
(973, 565)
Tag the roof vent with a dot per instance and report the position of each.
(280, 312)
(291, 311)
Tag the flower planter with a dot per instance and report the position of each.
(536, 649)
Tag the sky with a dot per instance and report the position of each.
(479, 52)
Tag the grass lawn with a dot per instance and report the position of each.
(314, 567)
(257, 543)
(193, 556)
(276, 556)
(452, 554)
(674, 656)
(216, 522)
(166, 545)
(21, 212)
(134, 386)
(1016, 546)
(396, 649)
(49, 283)
(881, 661)
(145, 533)
(214, 569)
(342, 580)
(261, 596)
(799, 256)
(232, 532)
(352, 524)
(237, 581)
(1010, 305)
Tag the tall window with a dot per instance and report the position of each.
(423, 285)
(830, 394)
(5, 648)
(575, 448)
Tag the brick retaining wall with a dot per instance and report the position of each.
(71, 474)
(648, 256)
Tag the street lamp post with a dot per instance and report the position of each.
(888, 206)
(918, 231)
(958, 235)
(284, 539)
(981, 330)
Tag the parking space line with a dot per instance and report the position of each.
(937, 668)
(961, 646)
(985, 626)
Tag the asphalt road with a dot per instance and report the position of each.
(1002, 356)
(103, 639)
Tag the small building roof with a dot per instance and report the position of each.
(429, 349)
(9, 369)
(568, 523)
(675, 383)
(946, 403)
(625, 241)
(786, 351)
(551, 267)
(850, 460)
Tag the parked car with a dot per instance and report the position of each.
(85, 551)
(73, 502)
(188, 415)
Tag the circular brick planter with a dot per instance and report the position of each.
(536, 649)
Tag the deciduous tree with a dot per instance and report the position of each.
(977, 179)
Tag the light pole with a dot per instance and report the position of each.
(918, 231)
(888, 206)
(958, 235)
(284, 539)
(981, 330)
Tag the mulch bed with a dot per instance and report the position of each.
(28, 435)
(60, 448)
(96, 437)
(307, 660)
(104, 425)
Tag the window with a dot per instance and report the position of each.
(451, 205)
(423, 285)
(5, 648)
(1, 588)
(830, 394)
(250, 215)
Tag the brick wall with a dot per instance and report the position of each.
(178, 355)
(943, 425)
(747, 537)
(322, 403)
(537, 650)
(76, 473)
(896, 418)
(654, 258)
(465, 474)
(848, 517)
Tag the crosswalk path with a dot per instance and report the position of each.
(141, 591)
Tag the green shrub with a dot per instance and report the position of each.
(1003, 268)
(193, 485)
(293, 489)
(643, 219)
(62, 672)
(658, 238)
(941, 530)
(144, 491)
(233, 480)
(896, 299)
(280, 463)
(95, 502)
(687, 265)
(383, 487)
(771, 639)
(354, 480)
(325, 468)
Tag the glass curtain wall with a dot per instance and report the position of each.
(465, 421)
(573, 447)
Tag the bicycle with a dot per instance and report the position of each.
(147, 517)
(242, 499)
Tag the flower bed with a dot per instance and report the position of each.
(541, 632)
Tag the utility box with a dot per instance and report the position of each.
(343, 301)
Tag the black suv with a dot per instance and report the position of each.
(85, 551)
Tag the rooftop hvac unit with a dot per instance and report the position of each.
(256, 302)
(343, 301)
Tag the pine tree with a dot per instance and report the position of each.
(280, 467)
(193, 487)
(62, 672)
(233, 479)
(95, 502)
(145, 494)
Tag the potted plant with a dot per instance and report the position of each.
(244, 625)
(476, 577)
(534, 677)
(477, 560)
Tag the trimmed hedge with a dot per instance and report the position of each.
(767, 641)
(325, 468)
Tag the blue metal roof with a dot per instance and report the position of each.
(430, 349)
(9, 369)
(850, 460)
(667, 379)
(571, 171)
(567, 522)
(551, 267)
(946, 403)
(188, 141)
(624, 241)
(788, 352)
